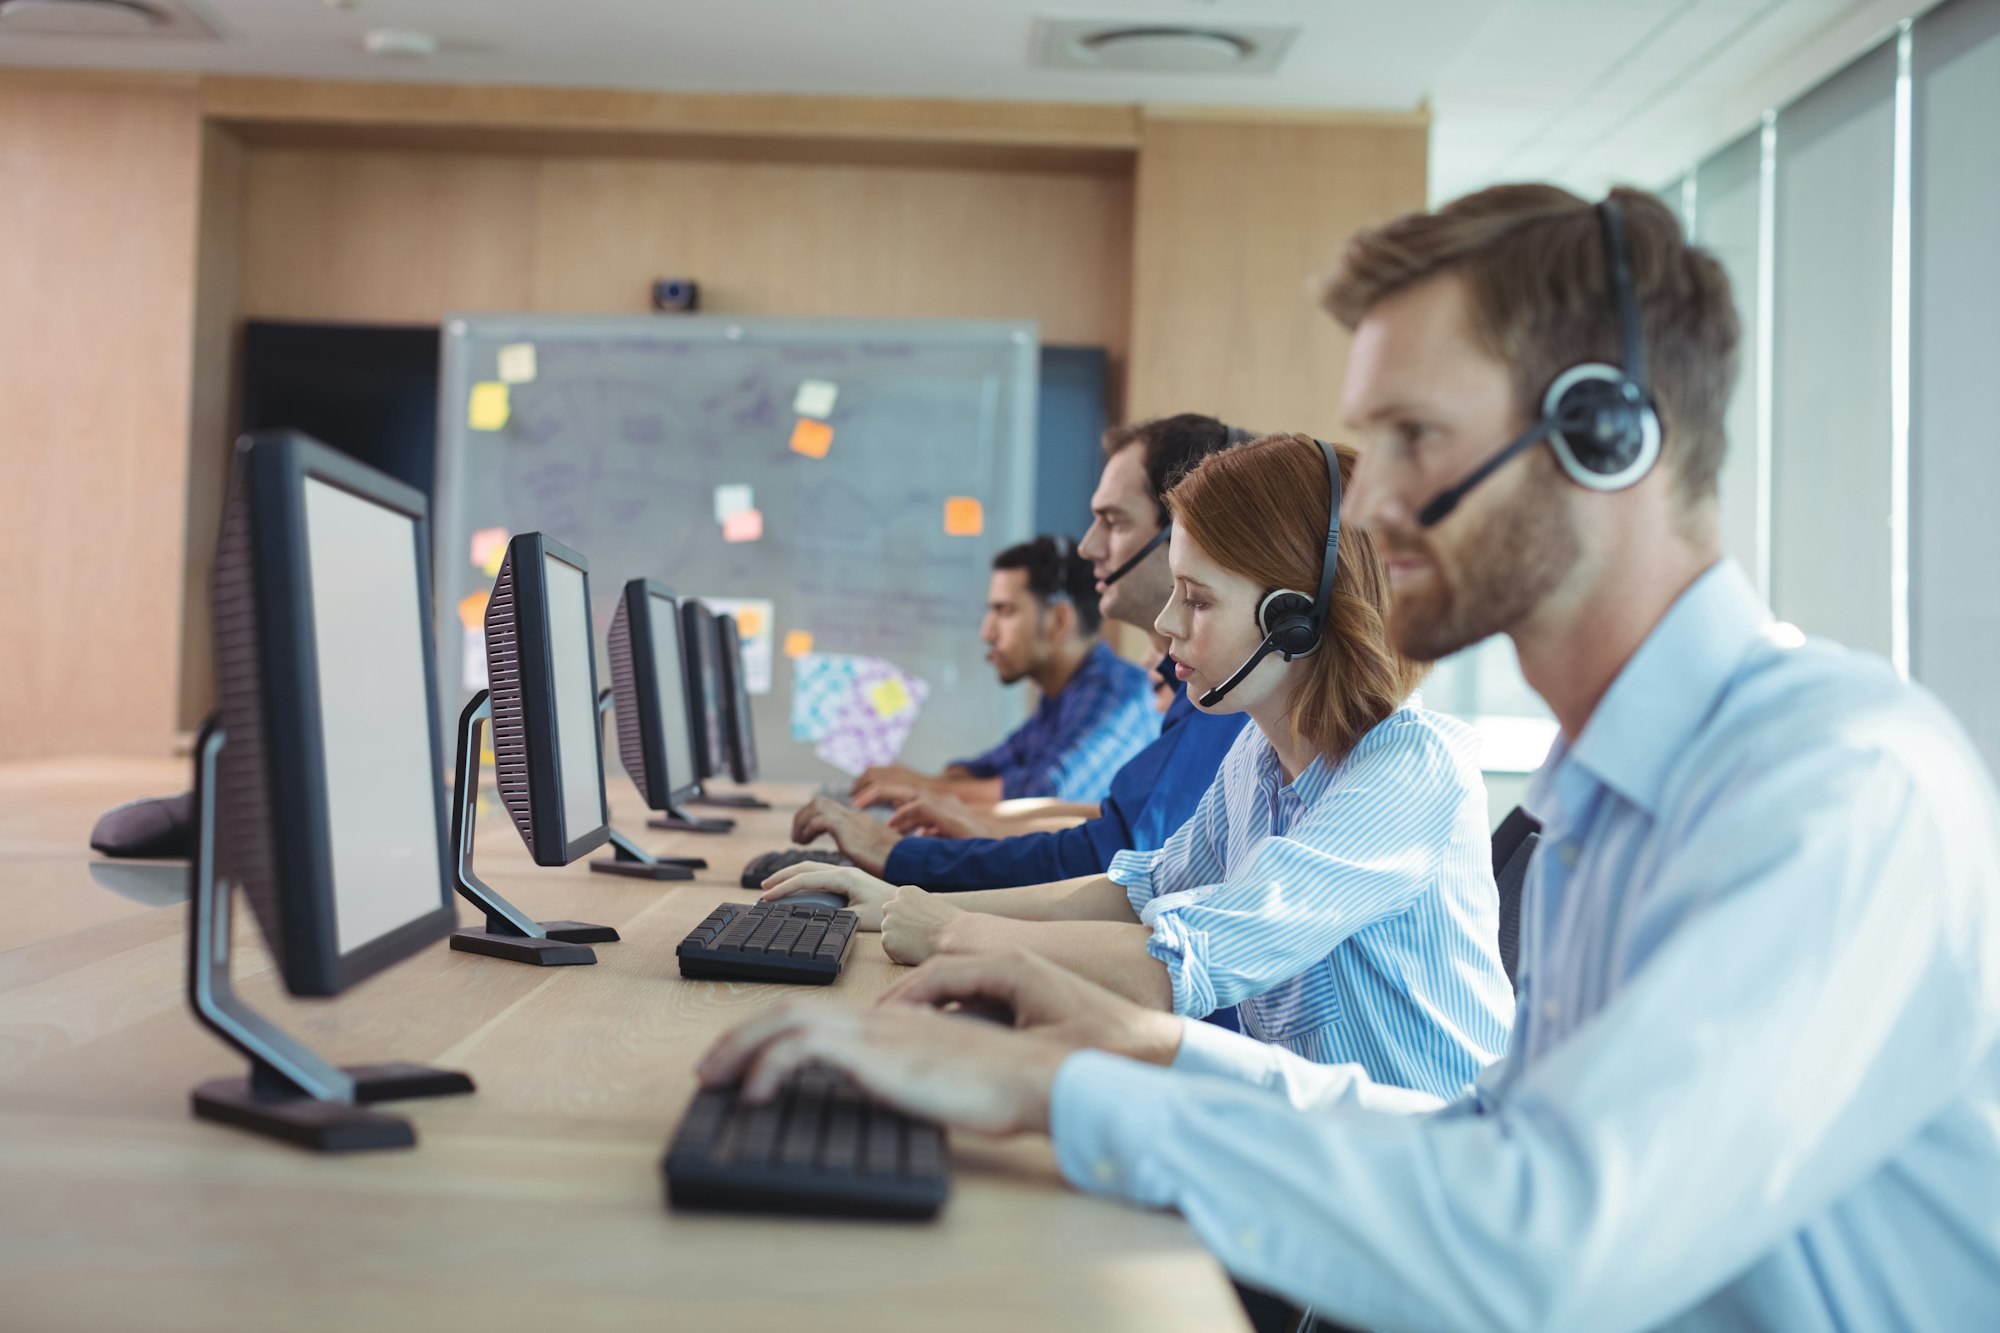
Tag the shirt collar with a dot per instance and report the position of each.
(1165, 671)
(1649, 715)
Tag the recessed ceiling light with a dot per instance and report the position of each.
(80, 18)
(400, 42)
(1160, 48)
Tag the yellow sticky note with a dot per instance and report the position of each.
(489, 545)
(889, 697)
(798, 642)
(963, 516)
(517, 363)
(749, 620)
(746, 525)
(472, 610)
(489, 408)
(812, 438)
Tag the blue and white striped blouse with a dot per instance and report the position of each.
(1350, 915)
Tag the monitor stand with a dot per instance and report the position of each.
(290, 1093)
(729, 800)
(628, 857)
(510, 933)
(680, 821)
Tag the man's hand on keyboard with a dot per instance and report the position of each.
(865, 893)
(865, 840)
(1041, 998)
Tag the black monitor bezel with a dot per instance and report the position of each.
(699, 641)
(736, 725)
(551, 844)
(276, 467)
(639, 594)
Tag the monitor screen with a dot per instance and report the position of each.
(375, 717)
(576, 699)
(707, 658)
(671, 683)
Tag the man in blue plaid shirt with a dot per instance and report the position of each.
(1096, 709)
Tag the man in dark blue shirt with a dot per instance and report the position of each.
(1156, 791)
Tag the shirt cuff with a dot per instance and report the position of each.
(1133, 871)
(1184, 952)
(1104, 1113)
(1218, 1053)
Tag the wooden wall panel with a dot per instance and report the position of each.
(407, 236)
(98, 201)
(1232, 218)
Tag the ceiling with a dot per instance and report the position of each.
(1579, 91)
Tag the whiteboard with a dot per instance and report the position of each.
(617, 445)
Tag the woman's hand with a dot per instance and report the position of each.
(865, 894)
(1042, 998)
(914, 924)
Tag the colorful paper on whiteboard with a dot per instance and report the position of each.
(488, 408)
(812, 438)
(745, 525)
(815, 398)
(964, 516)
(517, 363)
(798, 642)
(821, 683)
(489, 548)
(733, 499)
(860, 736)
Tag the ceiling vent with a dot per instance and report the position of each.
(1161, 48)
(102, 18)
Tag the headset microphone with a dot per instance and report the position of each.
(1599, 420)
(1294, 624)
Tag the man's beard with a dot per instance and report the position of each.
(1503, 570)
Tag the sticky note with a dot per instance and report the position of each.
(798, 642)
(488, 408)
(489, 545)
(745, 525)
(889, 697)
(963, 516)
(517, 363)
(812, 438)
(815, 398)
(750, 622)
(472, 610)
(733, 499)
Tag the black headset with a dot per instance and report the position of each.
(1600, 420)
(1294, 624)
(1232, 436)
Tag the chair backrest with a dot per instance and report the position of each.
(1514, 844)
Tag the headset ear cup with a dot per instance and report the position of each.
(1610, 438)
(1285, 616)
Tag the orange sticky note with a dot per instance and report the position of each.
(745, 525)
(812, 438)
(749, 622)
(798, 642)
(963, 516)
(472, 610)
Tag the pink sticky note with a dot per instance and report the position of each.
(745, 525)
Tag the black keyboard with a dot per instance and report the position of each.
(820, 1146)
(776, 941)
(766, 864)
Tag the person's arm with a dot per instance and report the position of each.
(1817, 981)
(1085, 898)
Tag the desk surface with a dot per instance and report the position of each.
(534, 1202)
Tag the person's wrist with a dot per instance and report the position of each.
(1038, 1083)
(1158, 1040)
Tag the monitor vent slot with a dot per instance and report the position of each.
(243, 815)
(503, 672)
(625, 698)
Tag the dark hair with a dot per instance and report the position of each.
(1260, 510)
(1173, 446)
(1538, 287)
(1055, 570)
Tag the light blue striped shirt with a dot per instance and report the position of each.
(1755, 1080)
(1350, 915)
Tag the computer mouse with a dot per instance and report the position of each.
(815, 898)
(154, 828)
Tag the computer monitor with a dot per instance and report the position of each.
(703, 646)
(548, 746)
(736, 718)
(541, 663)
(319, 780)
(649, 692)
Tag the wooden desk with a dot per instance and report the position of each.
(535, 1202)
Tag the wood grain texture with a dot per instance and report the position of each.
(534, 1202)
(1232, 218)
(98, 201)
